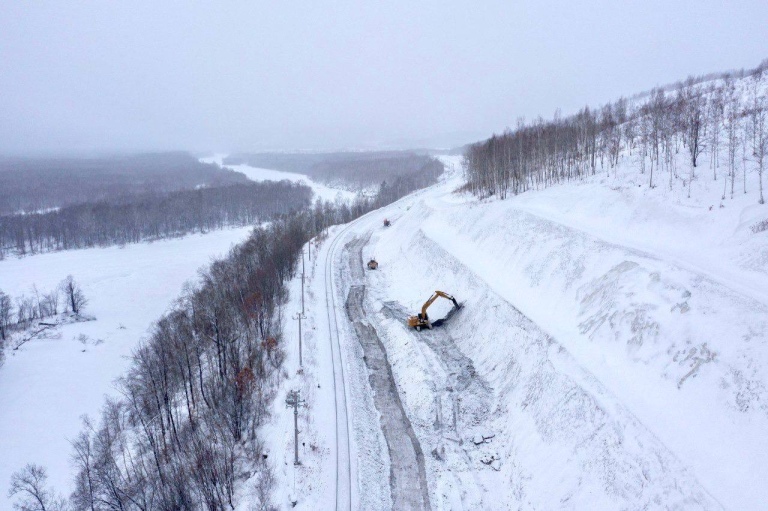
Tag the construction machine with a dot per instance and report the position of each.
(421, 320)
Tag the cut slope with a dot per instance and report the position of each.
(633, 365)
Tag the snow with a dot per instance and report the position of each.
(37, 211)
(47, 385)
(315, 483)
(610, 354)
(259, 174)
(655, 298)
(671, 320)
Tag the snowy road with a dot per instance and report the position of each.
(406, 486)
(407, 473)
(371, 453)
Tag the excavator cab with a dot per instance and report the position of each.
(421, 319)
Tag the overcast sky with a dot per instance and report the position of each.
(152, 75)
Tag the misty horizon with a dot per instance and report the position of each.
(86, 79)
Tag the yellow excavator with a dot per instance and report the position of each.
(421, 320)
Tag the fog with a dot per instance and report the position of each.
(229, 76)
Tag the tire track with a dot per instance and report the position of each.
(408, 482)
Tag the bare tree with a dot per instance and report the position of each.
(761, 141)
(26, 312)
(716, 108)
(28, 486)
(262, 492)
(6, 310)
(732, 117)
(6, 307)
(744, 151)
(694, 128)
(83, 496)
(51, 303)
(73, 294)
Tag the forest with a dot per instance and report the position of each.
(149, 216)
(667, 132)
(30, 184)
(185, 433)
(354, 171)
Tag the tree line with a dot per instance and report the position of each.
(149, 216)
(363, 173)
(185, 433)
(725, 119)
(29, 185)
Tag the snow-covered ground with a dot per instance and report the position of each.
(258, 174)
(611, 352)
(47, 385)
(663, 301)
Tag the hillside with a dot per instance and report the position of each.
(612, 345)
(32, 184)
(610, 352)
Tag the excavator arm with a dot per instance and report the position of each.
(422, 319)
(432, 299)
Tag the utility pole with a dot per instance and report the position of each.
(302, 281)
(294, 401)
(299, 316)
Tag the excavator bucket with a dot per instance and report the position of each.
(441, 321)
